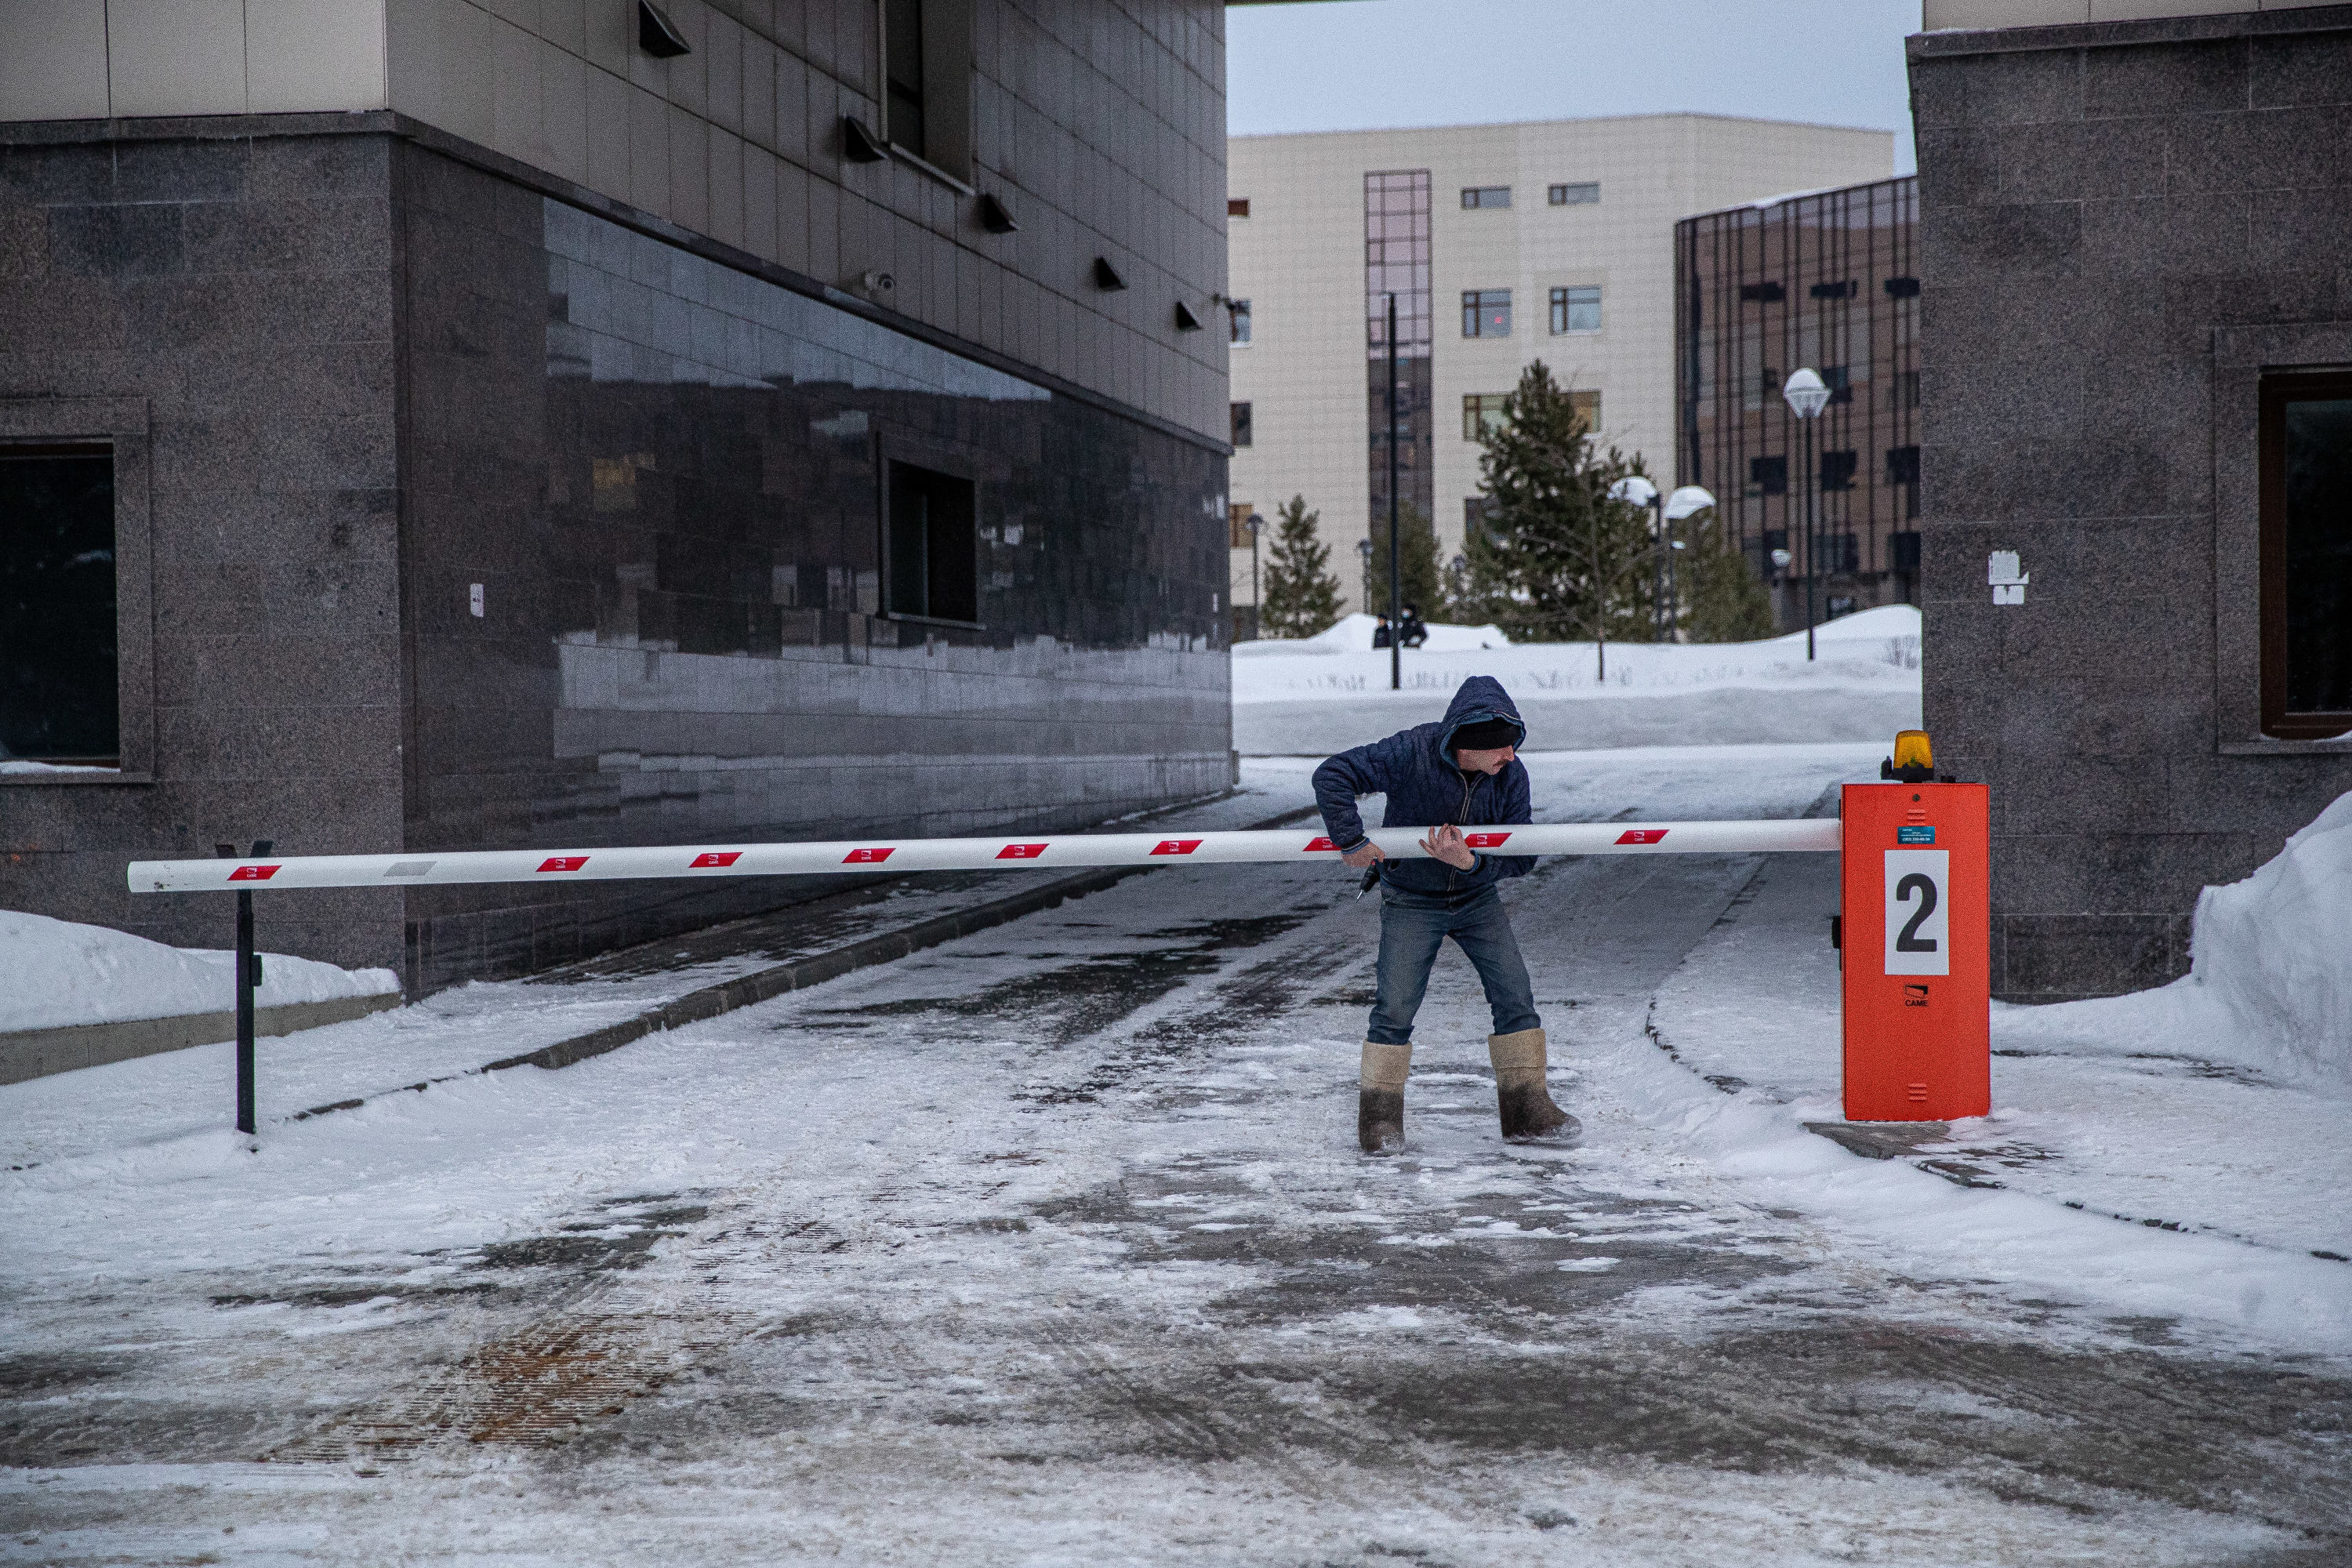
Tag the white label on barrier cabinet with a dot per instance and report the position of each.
(1918, 923)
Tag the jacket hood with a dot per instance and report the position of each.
(1482, 697)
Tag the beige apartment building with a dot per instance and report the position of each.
(1550, 240)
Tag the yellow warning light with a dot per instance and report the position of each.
(1912, 750)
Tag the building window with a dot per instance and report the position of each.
(1473, 515)
(1237, 317)
(1486, 196)
(1576, 195)
(1237, 516)
(1902, 464)
(1237, 206)
(1762, 293)
(1241, 412)
(1482, 411)
(1838, 471)
(1845, 289)
(1588, 404)
(1487, 313)
(1903, 392)
(934, 547)
(1839, 379)
(2306, 555)
(1902, 288)
(1575, 311)
(1769, 475)
(927, 49)
(58, 657)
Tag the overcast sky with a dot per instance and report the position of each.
(1360, 65)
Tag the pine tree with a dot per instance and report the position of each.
(1302, 594)
(1723, 601)
(1557, 560)
(1417, 573)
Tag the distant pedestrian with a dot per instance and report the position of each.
(1410, 630)
(1464, 769)
(1381, 636)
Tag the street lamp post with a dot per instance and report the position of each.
(1364, 553)
(1807, 395)
(1665, 567)
(1687, 501)
(1256, 526)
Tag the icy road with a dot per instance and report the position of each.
(1053, 1245)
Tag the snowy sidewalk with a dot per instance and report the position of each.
(2164, 1140)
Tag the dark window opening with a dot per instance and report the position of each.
(1487, 197)
(57, 692)
(1841, 553)
(1903, 550)
(1487, 313)
(1843, 291)
(1762, 293)
(1241, 412)
(2306, 555)
(1840, 381)
(934, 548)
(1902, 464)
(1902, 288)
(1237, 322)
(1838, 471)
(1473, 516)
(1237, 206)
(1769, 475)
(902, 54)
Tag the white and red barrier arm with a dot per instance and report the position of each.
(1003, 854)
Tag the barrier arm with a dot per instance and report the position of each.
(691, 861)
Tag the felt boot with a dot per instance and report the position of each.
(1520, 1093)
(1380, 1105)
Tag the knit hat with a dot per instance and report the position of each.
(1487, 735)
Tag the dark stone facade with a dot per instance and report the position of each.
(350, 376)
(2122, 226)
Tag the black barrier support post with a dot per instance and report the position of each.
(248, 980)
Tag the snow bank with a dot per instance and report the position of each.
(59, 973)
(2270, 984)
(1324, 693)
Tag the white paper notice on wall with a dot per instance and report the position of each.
(2008, 582)
(474, 599)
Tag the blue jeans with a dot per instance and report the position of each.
(1413, 926)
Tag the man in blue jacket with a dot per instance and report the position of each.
(1461, 771)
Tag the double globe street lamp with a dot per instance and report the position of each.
(1667, 510)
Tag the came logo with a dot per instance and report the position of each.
(1915, 996)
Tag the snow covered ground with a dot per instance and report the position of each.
(60, 972)
(1052, 1246)
(1323, 694)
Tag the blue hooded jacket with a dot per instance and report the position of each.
(1414, 768)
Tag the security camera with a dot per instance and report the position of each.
(878, 285)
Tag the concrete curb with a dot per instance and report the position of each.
(745, 990)
(29, 1054)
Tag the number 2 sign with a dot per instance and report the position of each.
(1918, 911)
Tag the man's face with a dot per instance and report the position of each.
(1489, 762)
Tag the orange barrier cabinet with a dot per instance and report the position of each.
(1916, 901)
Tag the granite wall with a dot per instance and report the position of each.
(2121, 226)
(349, 372)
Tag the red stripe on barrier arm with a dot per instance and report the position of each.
(1314, 845)
(1484, 840)
(1643, 835)
(252, 873)
(1176, 846)
(867, 856)
(717, 857)
(563, 862)
(1021, 852)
